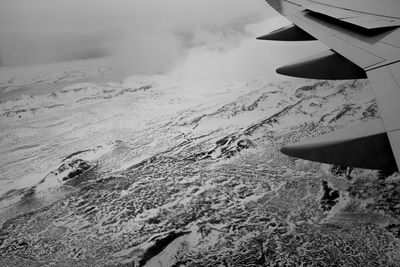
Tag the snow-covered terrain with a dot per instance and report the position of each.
(155, 171)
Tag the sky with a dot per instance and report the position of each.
(196, 39)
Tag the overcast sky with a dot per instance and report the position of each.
(200, 39)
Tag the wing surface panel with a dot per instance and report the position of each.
(367, 51)
(394, 139)
(387, 95)
(359, 19)
(386, 8)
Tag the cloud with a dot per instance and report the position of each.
(239, 56)
(199, 40)
(47, 30)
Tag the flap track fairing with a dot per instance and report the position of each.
(327, 65)
(364, 145)
(287, 33)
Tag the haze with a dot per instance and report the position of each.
(197, 39)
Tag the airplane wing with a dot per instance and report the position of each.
(364, 37)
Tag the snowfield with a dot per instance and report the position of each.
(155, 171)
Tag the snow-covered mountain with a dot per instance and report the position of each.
(161, 172)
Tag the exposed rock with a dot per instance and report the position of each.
(71, 170)
(330, 196)
(159, 245)
(395, 229)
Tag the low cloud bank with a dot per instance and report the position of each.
(237, 55)
(196, 40)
